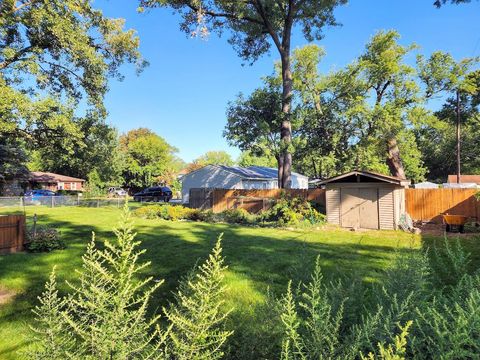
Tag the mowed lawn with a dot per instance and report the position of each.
(260, 261)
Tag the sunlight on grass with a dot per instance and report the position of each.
(259, 260)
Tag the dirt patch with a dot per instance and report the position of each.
(6, 296)
(439, 231)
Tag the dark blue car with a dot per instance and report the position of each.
(38, 196)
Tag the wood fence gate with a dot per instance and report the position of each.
(12, 233)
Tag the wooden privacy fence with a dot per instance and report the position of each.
(252, 200)
(430, 204)
(12, 233)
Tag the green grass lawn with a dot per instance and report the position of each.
(260, 260)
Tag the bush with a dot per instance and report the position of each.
(44, 239)
(166, 212)
(292, 212)
(236, 216)
(107, 314)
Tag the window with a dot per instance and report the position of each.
(73, 186)
(61, 185)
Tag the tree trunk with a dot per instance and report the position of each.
(394, 160)
(285, 178)
(280, 169)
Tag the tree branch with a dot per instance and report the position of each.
(15, 57)
(224, 15)
(266, 22)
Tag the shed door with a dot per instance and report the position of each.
(350, 207)
(368, 208)
(359, 208)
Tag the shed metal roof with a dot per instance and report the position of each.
(368, 174)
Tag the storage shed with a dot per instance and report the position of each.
(363, 199)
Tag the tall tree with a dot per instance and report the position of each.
(252, 122)
(438, 141)
(97, 151)
(442, 75)
(391, 86)
(254, 26)
(148, 158)
(54, 55)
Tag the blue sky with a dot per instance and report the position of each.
(184, 92)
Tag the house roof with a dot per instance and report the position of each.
(256, 172)
(426, 185)
(464, 179)
(366, 174)
(40, 176)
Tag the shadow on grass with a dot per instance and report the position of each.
(258, 259)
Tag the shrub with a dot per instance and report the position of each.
(236, 216)
(149, 212)
(43, 239)
(165, 212)
(106, 315)
(197, 318)
(291, 212)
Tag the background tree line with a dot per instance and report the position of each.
(377, 113)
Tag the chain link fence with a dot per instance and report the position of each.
(19, 203)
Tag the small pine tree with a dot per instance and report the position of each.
(312, 332)
(322, 321)
(51, 340)
(397, 351)
(105, 316)
(197, 319)
(292, 344)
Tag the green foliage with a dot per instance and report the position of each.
(397, 350)
(198, 317)
(149, 159)
(237, 216)
(254, 27)
(247, 159)
(105, 315)
(449, 263)
(312, 331)
(441, 316)
(166, 212)
(52, 341)
(55, 60)
(292, 211)
(215, 158)
(43, 239)
(253, 122)
(12, 161)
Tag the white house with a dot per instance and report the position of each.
(235, 177)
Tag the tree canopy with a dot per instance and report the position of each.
(149, 159)
(56, 57)
(256, 25)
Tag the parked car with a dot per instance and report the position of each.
(38, 196)
(116, 192)
(155, 193)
